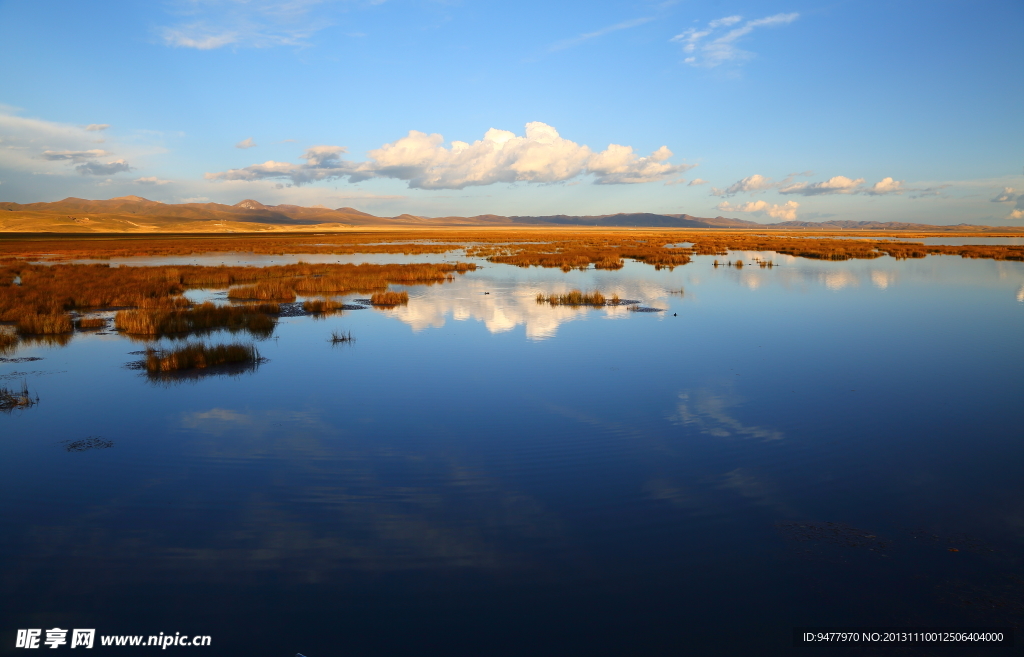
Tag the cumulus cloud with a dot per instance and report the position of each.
(753, 183)
(99, 169)
(834, 185)
(245, 143)
(74, 156)
(715, 44)
(1006, 196)
(886, 186)
(785, 211)
(97, 127)
(1009, 195)
(541, 156)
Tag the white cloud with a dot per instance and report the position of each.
(99, 169)
(37, 146)
(834, 185)
(150, 180)
(697, 181)
(541, 156)
(786, 211)
(886, 186)
(1016, 214)
(245, 143)
(721, 49)
(97, 127)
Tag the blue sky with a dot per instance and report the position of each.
(765, 111)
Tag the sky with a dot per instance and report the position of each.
(766, 111)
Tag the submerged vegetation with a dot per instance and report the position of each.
(91, 322)
(14, 399)
(338, 337)
(197, 355)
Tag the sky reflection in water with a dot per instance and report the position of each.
(483, 474)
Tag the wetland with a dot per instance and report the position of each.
(468, 442)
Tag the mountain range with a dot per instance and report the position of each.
(137, 214)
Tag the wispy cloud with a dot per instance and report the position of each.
(246, 143)
(97, 127)
(540, 156)
(577, 40)
(73, 156)
(211, 24)
(715, 44)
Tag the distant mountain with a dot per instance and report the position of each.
(137, 214)
(644, 219)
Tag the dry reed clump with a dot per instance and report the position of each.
(389, 298)
(265, 307)
(322, 306)
(44, 324)
(578, 298)
(196, 355)
(15, 399)
(204, 317)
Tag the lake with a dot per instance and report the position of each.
(814, 444)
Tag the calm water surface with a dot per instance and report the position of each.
(482, 475)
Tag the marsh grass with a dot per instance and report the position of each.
(389, 298)
(264, 290)
(11, 400)
(42, 297)
(197, 355)
(204, 317)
